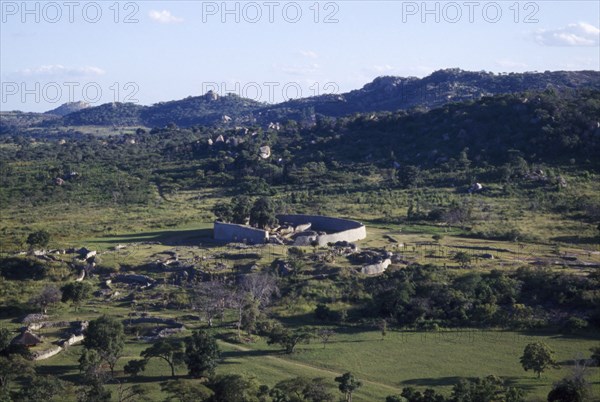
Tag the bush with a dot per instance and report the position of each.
(20, 269)
(323, 312)
(41, 238)
(574, 324)
(266, 327)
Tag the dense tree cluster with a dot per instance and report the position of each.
(428, 295)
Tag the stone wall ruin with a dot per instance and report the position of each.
(329, 229)
(320, 230)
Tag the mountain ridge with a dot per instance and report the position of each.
(383, 94)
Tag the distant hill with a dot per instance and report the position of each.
(208, 109)
(69, 107)
(18, 121)
(553, 127)
(384, 94)
(108, 114)
(451, 85)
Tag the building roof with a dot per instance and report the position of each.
(26, 338)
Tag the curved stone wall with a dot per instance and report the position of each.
(231, 232)
(337, 229)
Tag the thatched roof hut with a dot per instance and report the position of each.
(27, 339)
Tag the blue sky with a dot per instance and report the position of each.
(152, 51)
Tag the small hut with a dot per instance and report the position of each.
(27, 339)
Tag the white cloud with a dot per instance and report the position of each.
(580, 34)
(309, 54)
(382, 68)
(301, 70)
(58, 70)
(164, 17)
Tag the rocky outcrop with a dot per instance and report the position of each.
(134, 280)
(375, 269)
(30, 318)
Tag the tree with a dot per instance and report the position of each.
(238, 300)
(240, 209)
(76, 293)
(12, 368)
(348, 384)
(186, 391)
(96, 392)
(382, 325)
(254, 292)
(41, 388)
(171, 352)
(5, 338)
(459, 214)
(41, 238)
(412, 395)
(490, 388)
(323, 312)
(538, 357)
(301, 389)
(135, 367)
(262, 214)
(462, 258)
(130, 393)
(408, 176)
(91, 367)
(201, 354)
(596, 355)
(289, 339)
(261, 287)
(234, 388)
(49, 296)
(250, 315)
(325, 335)
(573, 325)
(568, 390)
(223, 212)
(209, 298)
(105, 335)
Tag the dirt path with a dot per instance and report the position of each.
(308, 366)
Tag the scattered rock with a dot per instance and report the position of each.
(265, 152)
(377, 268)
(29, 318)
(134, 279)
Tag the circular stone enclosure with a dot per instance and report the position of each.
(336, 229)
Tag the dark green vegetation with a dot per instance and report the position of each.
(488, 289)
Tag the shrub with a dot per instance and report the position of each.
(574, 324)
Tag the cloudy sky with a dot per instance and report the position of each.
(152, 51)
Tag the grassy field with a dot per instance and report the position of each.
(402, 359)
(181, 223)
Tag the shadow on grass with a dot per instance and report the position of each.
(189, 237)
(576, 239)
(66, 372)
(514, 381)
(432, 382)
(553, 334)
(511, 381)
(232, 354)
(156, 379)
